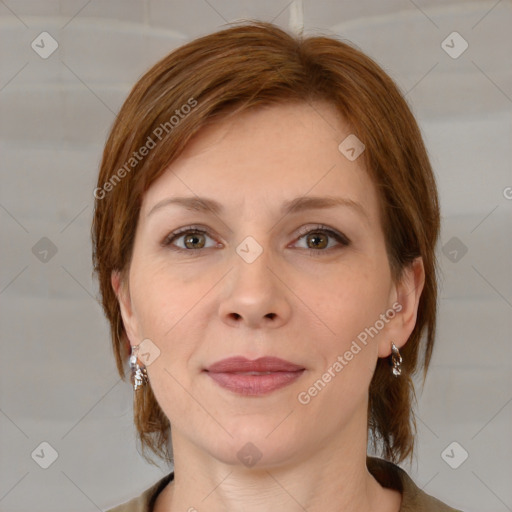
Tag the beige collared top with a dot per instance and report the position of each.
(386, 473)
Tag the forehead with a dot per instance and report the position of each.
(266, 156)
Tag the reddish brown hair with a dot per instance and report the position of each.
(248, 66)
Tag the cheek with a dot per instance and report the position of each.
(348, 310)
(160, 297)
(169, 312)
(345, 298)
(346, 352)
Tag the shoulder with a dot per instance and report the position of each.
(144, 502)
(413, 498)
(138, 504)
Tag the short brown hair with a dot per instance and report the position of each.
(247, 66)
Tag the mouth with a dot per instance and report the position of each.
(252, 378)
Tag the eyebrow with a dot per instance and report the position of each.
(204, 204)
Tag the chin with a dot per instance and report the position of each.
(255, 446)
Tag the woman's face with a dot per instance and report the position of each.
(256, 279)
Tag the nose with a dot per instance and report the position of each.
(255, 295)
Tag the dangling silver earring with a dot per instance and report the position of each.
(396, 360)
(139, 372)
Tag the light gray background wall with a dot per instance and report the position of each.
(57, 375)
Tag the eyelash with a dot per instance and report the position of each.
(339, 237)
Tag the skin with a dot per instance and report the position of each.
(306, 307)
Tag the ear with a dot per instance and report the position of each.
(407, 293)
(121, 289)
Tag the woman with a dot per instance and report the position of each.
(264, 236)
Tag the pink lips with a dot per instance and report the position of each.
(256, 377)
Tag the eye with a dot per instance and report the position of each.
(193, 238)
(317, 238)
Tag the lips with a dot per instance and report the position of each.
(257, 377)
(263, 364)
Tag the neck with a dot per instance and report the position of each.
(333, 477)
